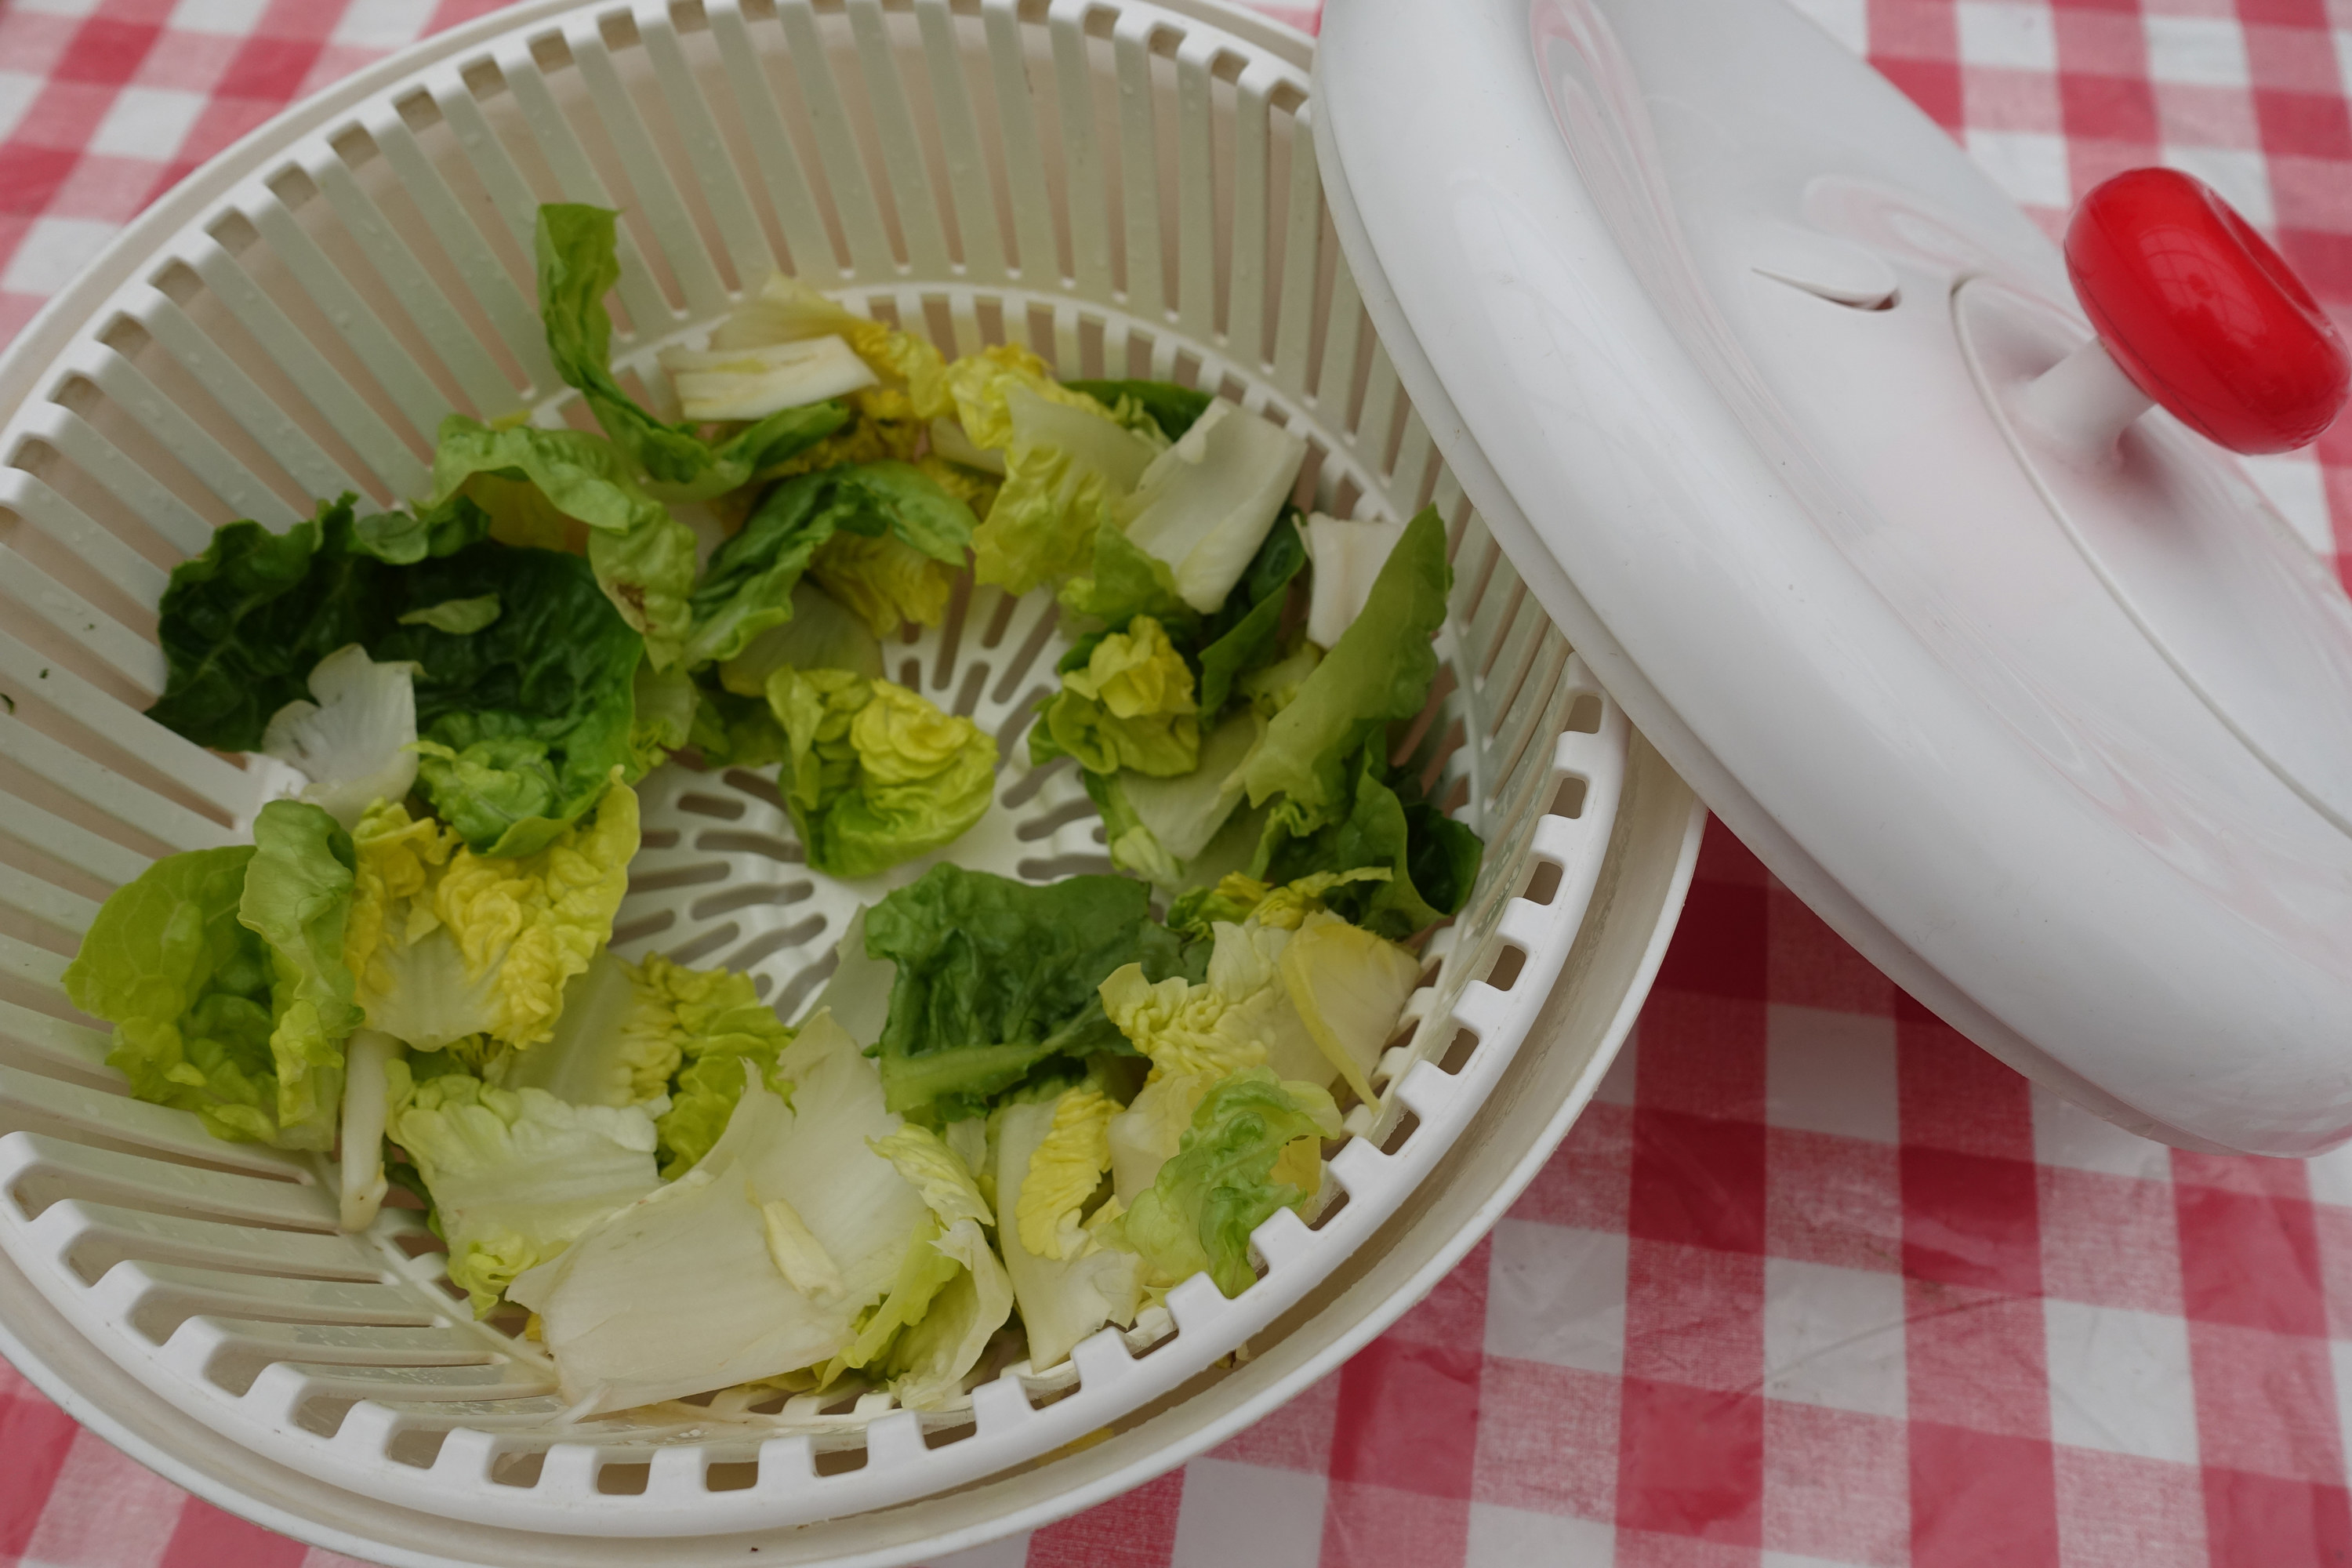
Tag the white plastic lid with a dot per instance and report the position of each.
(1723, 336)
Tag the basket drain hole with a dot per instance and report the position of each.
(1544, 886)
(1569, 801)
(520, 1470)
(1584, 719)
(841, 1461)
(419, 1447)
(1457, 1055)
(732, 1476)
(1507, 964)
(1401, 1134)
(625, 1480)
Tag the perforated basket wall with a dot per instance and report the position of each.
(1126, 190)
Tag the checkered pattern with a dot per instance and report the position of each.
(1814, 1283)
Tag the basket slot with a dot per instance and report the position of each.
(854, 203)
(214, 365)
(21, 961)
(261, 1342)
(1413, 474)
(908, 187)
(153, 502)
(371, 343)
(1335, 379)
(1197, 228)
(329, 391)
(68, 914)
(799, 219)
(1080, 148)
(67, 843)
(138, 579)
(437, 318)
(155, 1298)
(576, 181)
(93, 1237)
(1138, 166)
(37, 1170)
(723, 192)
(982, 242)
(139, 662)
(1245, 303)
(191, 444)
(653, 195)
(55, 1044)
(113, 1119)
(455, 230)
(100, 787)
(1295, 318)
(301, 1382)
(1378, 417)
(1024, 160)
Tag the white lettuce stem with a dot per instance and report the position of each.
(365, 1106)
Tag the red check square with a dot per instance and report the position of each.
(1690, 1461)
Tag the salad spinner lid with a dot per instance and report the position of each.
(1793, 421)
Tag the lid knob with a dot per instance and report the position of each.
(2194, 310)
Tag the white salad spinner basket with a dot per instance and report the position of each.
(1129, 190)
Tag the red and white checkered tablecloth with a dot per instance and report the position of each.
(1814, 1282)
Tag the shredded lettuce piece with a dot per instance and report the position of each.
(515, 1175)
(995, 979)
(1206, 504)
(1220, 1185)
(1064, 1171)
(877, 775)
(356, 741)
(444, 943)
(1066, 470)
(578, 259)
(753, 383)
(1126, 702)
(1062, 1301)
(1348, 557)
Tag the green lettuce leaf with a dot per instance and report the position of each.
(1240, 636)
(1127, 583)
(578, 264)
(997, 978)
(1431, 860)
(222, 971)
(1125, 703)
(1066, 469)
(1219, 1186)
(1379, 672)
(748, 585)
(877, 775)
(297, 897)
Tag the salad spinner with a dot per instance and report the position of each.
(1129, 191)
(1779, 453)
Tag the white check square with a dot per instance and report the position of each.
(1517, 1538)
(2196, 51)
(53, 253)
(147, 122)
(2119, 1381)
(232, 19)
(1233, 1514)
(2013, 36)
(1833, 1337)
(381, 24)
(1557, 1294)
(2030, 166)
(2065, 1134)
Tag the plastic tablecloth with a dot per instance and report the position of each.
(1814, 1282)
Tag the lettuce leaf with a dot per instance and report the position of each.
(357, 743)
(520, 722)
(749, 583)
(1066, 470)
(1379, 672)
(1206, 504)
(632, 1034)
(579, 263)
(446, 944)
(1125, 703)
(1431, 860)
(1062, 1301)
(222, 971)
(1220, 1184)
(997, 979)
(515, 1175)
(1238, 638)
(875, 775)
(1127, 583)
